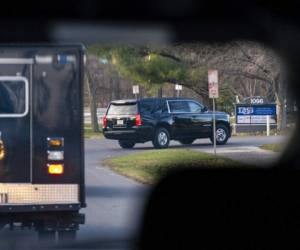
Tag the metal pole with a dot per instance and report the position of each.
(214, 126)
(268, 125)
(177, 92)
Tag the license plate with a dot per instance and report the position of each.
(120, 122)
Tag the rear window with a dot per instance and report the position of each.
(122, 109)
(147, 107)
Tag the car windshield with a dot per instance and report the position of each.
(122, 109)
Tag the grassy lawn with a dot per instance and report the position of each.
(276, 147)
(88, 133)
(148, 167)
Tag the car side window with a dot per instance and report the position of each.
(158, 106)
(146, 107)
(179, 107)
(195, 107)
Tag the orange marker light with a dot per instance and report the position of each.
(55, 168)
(55, 142)
(2, 150)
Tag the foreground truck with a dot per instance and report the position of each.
(41, 138)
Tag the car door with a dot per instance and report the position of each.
(181, 118)
(201, 121)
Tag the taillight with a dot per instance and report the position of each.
(138, 120)
(55, 169)
(104, 122)
(55, 153)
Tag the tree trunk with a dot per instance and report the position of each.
(280, 97)
(92, 102)
(281, 113)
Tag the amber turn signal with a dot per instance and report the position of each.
(55, 169)
(2, 150)
(55, 142)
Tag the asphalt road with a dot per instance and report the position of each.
(115, 203)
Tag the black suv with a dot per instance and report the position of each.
(162, 119)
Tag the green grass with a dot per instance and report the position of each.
(276, 147)
(148, 167)
(88, 133)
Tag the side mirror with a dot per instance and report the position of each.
(204, 109)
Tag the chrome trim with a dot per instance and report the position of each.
(168, 107)
(31, 125)
(16, 61)
(12, 79)
(44, 59)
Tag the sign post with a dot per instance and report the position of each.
(135, 90)
(268, 125)
(178, 88)
(213, 90)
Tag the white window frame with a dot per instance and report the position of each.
(17, 79)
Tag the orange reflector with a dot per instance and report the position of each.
(2, 150)
(55, 168)
(55, 142)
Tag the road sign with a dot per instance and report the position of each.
(135, 89)
(213, 86)
(178, 87)
(213, 90)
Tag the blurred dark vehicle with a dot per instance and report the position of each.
(161, 120)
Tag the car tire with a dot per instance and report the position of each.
(186, 141)
(222, 135)
(126, 144)
(161, 139)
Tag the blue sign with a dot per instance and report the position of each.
(256, 110)
(255, 114)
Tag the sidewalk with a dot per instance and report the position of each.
(247, 154)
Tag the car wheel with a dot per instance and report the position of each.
(186, 141)
(126, 144)
(222, 135)
(161, 139)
